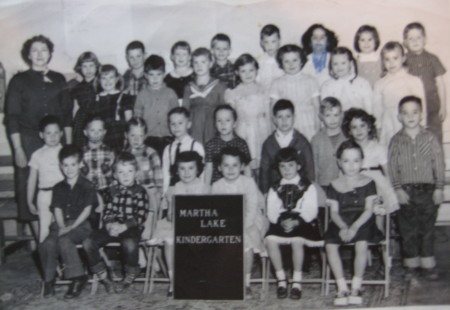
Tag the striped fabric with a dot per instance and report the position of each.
(415, 161)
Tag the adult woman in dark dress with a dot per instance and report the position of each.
(31, 95)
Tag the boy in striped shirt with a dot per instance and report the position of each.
(416, 168)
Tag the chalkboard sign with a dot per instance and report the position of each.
(209, 247)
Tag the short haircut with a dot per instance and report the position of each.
(108, 68)
(245, 59)
(154, 62)
(348, 145)
(69, 151)
(49, 120)
(191, 156)
(137, 122)
(283, 104)
(26, 47)
(202, 51)
(341, 50)
(332, 40)
(328, 103)
(94, 118)
(288, 154)
(353, 113)
(179, 110)
(221, 37)
(407, 99)
(366, 28)
(269, 30)
(135, 45)
(180, 45)
(411, 26)
(225, 107)
(388, 47)
(86, 57)
(290, 48)
(233, 151)
(125, 158)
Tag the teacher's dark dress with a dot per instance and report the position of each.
(28, 99)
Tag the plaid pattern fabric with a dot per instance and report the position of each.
(149, 172)
(97, 165)
(126, 205)
(226, 74)
(132, 84)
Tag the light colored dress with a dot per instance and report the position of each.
(322, 76)
(303, 91)
(369, 67)
(375, 156)
(252, 105)
(269, 70)
(388, 92)
(356, 93)
(255, 224)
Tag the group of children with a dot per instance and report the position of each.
(300, 125)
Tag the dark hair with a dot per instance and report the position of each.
(390, 46)
(343, 51)
(233, 151)
(288, 154)
(290, 48)
(49, 120)
(411, 26)
(353, 113)
(135, 45)
(348, 145)
(104, 69)
(269, 30)
(179, 110)
(407, 99)
(69, 151)
(86, 57)
(182, 45)
(221, 37)
(283, 104)
(202, 51)
(94, 118)
(366, 28)
(138, 122)
(245, 59)
(26, 47)
(329, 103)
(125, 158)
(191, 156)
(154, 62)
(225, 107)
(332, 40)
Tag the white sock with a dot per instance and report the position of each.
(281, 276)
(297, 277)
(356, 283)
(247, 279)
(342, 285)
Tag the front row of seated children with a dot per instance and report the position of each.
(292, 200)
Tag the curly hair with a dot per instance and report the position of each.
(332, 40)
(26, 47)
(353, 113)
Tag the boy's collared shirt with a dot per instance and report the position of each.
(126, 205)
(149, 173)
(132, 84)
(73, 200)
(284, 139)
(416, 161)
(98, 165)
(45, 161)
(225, 74)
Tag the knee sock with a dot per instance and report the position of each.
(281, 276)
(341, 285)
(171, 280)
(297, 277)
(356, 283)
(247, 279)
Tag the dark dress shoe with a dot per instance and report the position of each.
(49, 289)
(296, 293)
(76, 287)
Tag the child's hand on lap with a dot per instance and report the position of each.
(438, 196)
(64, 230)
(402, 196)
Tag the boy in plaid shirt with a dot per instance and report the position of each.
(126, 207)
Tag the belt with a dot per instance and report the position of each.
(46, 189)
(371, 168)
(419, 186)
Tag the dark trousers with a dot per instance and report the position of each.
(416, 225)
(129, 241)
(65, 246)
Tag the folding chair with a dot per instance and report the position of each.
(387, 259)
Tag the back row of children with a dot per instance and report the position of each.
(106, 117)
